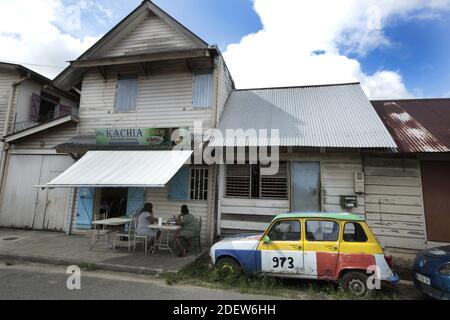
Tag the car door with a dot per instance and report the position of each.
(321, 247)
(283, 253)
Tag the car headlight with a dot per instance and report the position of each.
(445, 269)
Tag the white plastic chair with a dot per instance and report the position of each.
(136, 237)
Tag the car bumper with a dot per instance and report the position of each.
(433, 292)
(393, 279)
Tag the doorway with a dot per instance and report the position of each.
(111, 203)
(436, 190)
(305, 186)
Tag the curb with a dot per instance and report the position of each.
(69, 262)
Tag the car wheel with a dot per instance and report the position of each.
(229, 266)
(355, 283)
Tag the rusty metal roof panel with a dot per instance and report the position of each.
(417, 126)
(333, 116)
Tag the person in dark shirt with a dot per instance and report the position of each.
(187, 231)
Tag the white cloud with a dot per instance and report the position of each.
(29, 34)
(284, 52)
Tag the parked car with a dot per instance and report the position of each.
(432, 272)
(334, 247)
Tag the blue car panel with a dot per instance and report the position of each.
(427, 264)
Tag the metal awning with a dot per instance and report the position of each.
(115, 169)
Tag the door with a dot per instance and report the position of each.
(23, 205)
(52, 207)
(305, 189)
(136, 197)
(436, 191)
(284, 252)
(321, 248)
(86, 199)
(19, 196)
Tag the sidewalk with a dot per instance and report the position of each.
(61, 249)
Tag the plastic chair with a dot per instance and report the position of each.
(128, 235)
(196, 240)
(136, 237)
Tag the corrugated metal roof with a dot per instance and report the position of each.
(421, 125)
(339, 116)
(149, 169)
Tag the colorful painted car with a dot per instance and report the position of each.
(335, 247)
(432, 272)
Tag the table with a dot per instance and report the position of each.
(167, 230)
(108, 223)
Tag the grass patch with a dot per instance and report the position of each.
(88, 267)
(9, 263)
(200, 273)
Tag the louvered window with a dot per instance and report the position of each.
(246, 181)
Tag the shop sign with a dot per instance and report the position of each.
(156, 137)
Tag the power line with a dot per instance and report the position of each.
(35, 65)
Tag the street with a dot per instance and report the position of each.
(33, 281)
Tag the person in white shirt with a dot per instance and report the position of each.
(146, 219)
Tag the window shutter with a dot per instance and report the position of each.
(64, 110)
(178, 186)
(35, 107)
(127, 92)
(136, 198)
(86, 198)
(202, 90)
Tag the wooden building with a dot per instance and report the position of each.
(150, 77)
(30, 106)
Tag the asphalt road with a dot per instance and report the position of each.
(33, 282)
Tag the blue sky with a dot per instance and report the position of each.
(295, 42)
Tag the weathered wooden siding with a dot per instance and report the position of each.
(225, 86)
(50, 138)
(164, 100)
(6, 80)
(337, 178)
(23, 205)
(151, 35)
(394, 202)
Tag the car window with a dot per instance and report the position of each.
(287, 230)
(354, 232)
(322, 230)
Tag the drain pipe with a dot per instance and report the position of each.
(4, 147)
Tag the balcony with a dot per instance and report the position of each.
(43, 110)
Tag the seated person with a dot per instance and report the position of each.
(146, 219)
(187, 232)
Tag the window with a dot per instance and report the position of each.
(127, 92)
(202, 89)
(354, 232)
(48, 106)
(287, 230)
(199, 184)
(246, 181)
(321, 230)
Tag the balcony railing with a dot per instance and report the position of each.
(60, 111)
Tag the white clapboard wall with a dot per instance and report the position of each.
(394, 202)
(254, 215)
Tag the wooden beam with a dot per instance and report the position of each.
(188, 65)
(145, 68)
(176, 55)
(102, 71)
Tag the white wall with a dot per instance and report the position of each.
(337, 178)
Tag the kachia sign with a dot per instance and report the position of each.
(160, 137)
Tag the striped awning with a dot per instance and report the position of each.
(115, 169)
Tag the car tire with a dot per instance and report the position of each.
(355, 283)
(229, 266)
